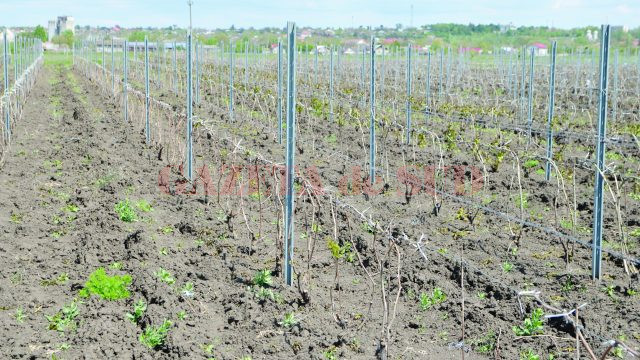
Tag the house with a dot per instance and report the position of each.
(539, 49)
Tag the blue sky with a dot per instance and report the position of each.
(334, 13)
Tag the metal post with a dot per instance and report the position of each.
(246, 64)
(331, 83)
(382, 71)
(197, 62)
(146, 89)
(104, 67)
(113, 71)
(316, 64)
(552, 93)
(372, 124)
(614, 93)
(189, 111)
(530, 117)
(596, 270)
(175, 69)
(408, 93)
(231, 51)
(362, 81)
(279, 101)
(522, 87)
(7, 121)
(428, 85)
(291, 147)
(441, 73)
(125, 50)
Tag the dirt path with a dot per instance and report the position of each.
(72, 160)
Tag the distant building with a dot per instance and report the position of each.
(540, 49)
(51, 30)
(62, 24)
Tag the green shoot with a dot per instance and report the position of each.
(532, 325)
(138, 310)
(105, 286)
(427, 301)
(155, 336)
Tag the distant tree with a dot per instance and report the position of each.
(137, 36)
(40, 33)
(66, 38)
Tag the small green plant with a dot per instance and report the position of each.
(529, 355)
(532, 325)
(482, 295)
(338, 252)
(330, 353)
(153, 337)
(138, 310)
(437, 297)
(106, 286)
(187, 290)
(289, 320)
(263, 278)
(165, 276)
(181, 315)
(522, 201)
(72, 208)
(16, 218)
(609, 290)
(486, 344)
(125, 211)
(65, 318)
(60, 280)
(507, 267)
(530, 164)
(20, 316)
(144, 206)
(167, 229)
(115, 265)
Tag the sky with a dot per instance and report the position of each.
(212, 14)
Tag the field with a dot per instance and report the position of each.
(459, 248)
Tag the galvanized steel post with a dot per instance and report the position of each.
(146, 89)
(125, 50)
(552, 93)
(408, 94)
(596, 270)
(372, 124)
(189, 111)
(279, 100)
(7, 121)
(530, 116)
(291, 148)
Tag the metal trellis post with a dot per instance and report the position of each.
(596, 270)
(146, 89)
(291, 147)
(552, 93)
